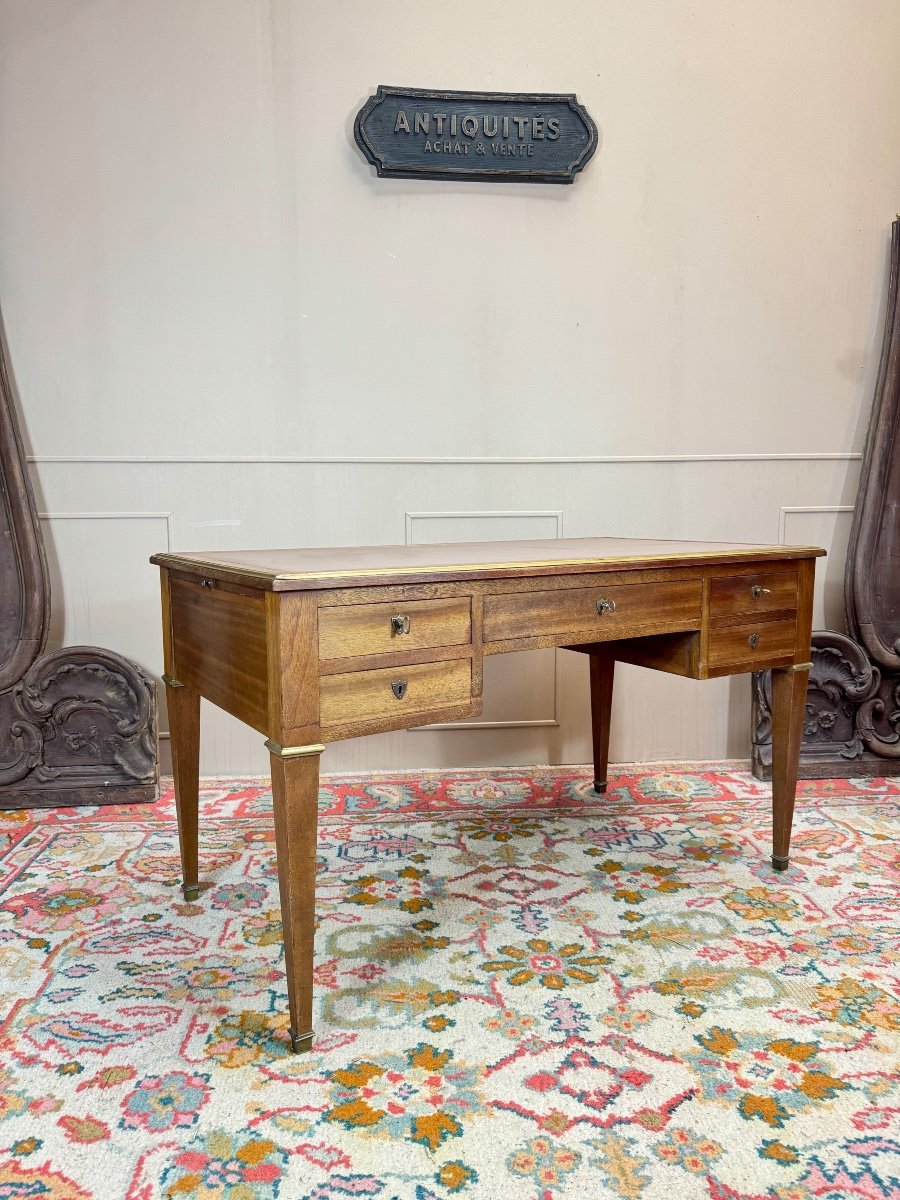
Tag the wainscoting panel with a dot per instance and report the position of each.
(520, 690)
(112, 514)
(823, 525)
(99, 592)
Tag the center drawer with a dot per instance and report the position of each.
(356, 696)
(594, 613)
(350, 630)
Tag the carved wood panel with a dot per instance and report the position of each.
(853, 699)
(78, 726)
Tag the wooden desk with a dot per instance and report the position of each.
(313, 646)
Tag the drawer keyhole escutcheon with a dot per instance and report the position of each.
(605, 606)
(753, 639)
(399, 625)
(398, 687)
(758, 590)
(207, 583)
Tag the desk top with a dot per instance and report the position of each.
(361, 566)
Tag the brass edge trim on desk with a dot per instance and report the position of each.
(171, 681)
(292, 751)
(755, 553)
(800, 667)
(452, 568)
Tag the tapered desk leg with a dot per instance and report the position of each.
(788, 709)
(295, 791)
(602, 669)
(184, 724)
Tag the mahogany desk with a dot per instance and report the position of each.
(312, 646)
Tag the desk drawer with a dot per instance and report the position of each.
(756, 644)
(351, 630)
(597, 613)
(745, 595)
(391, 691)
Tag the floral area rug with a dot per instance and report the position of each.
(522, 990)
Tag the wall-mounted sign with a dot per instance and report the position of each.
(520, 137)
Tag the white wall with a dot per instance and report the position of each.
(227, 332)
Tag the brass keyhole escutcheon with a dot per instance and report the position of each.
(207, 583)
(398, 687)
(753, 639)
(758, 590)
(399, 625)
(606, 606)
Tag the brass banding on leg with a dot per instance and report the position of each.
(292, 751)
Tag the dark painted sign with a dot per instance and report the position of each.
(406, 133)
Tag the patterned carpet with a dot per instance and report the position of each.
(523, 991)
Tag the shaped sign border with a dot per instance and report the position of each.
(386, 170)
